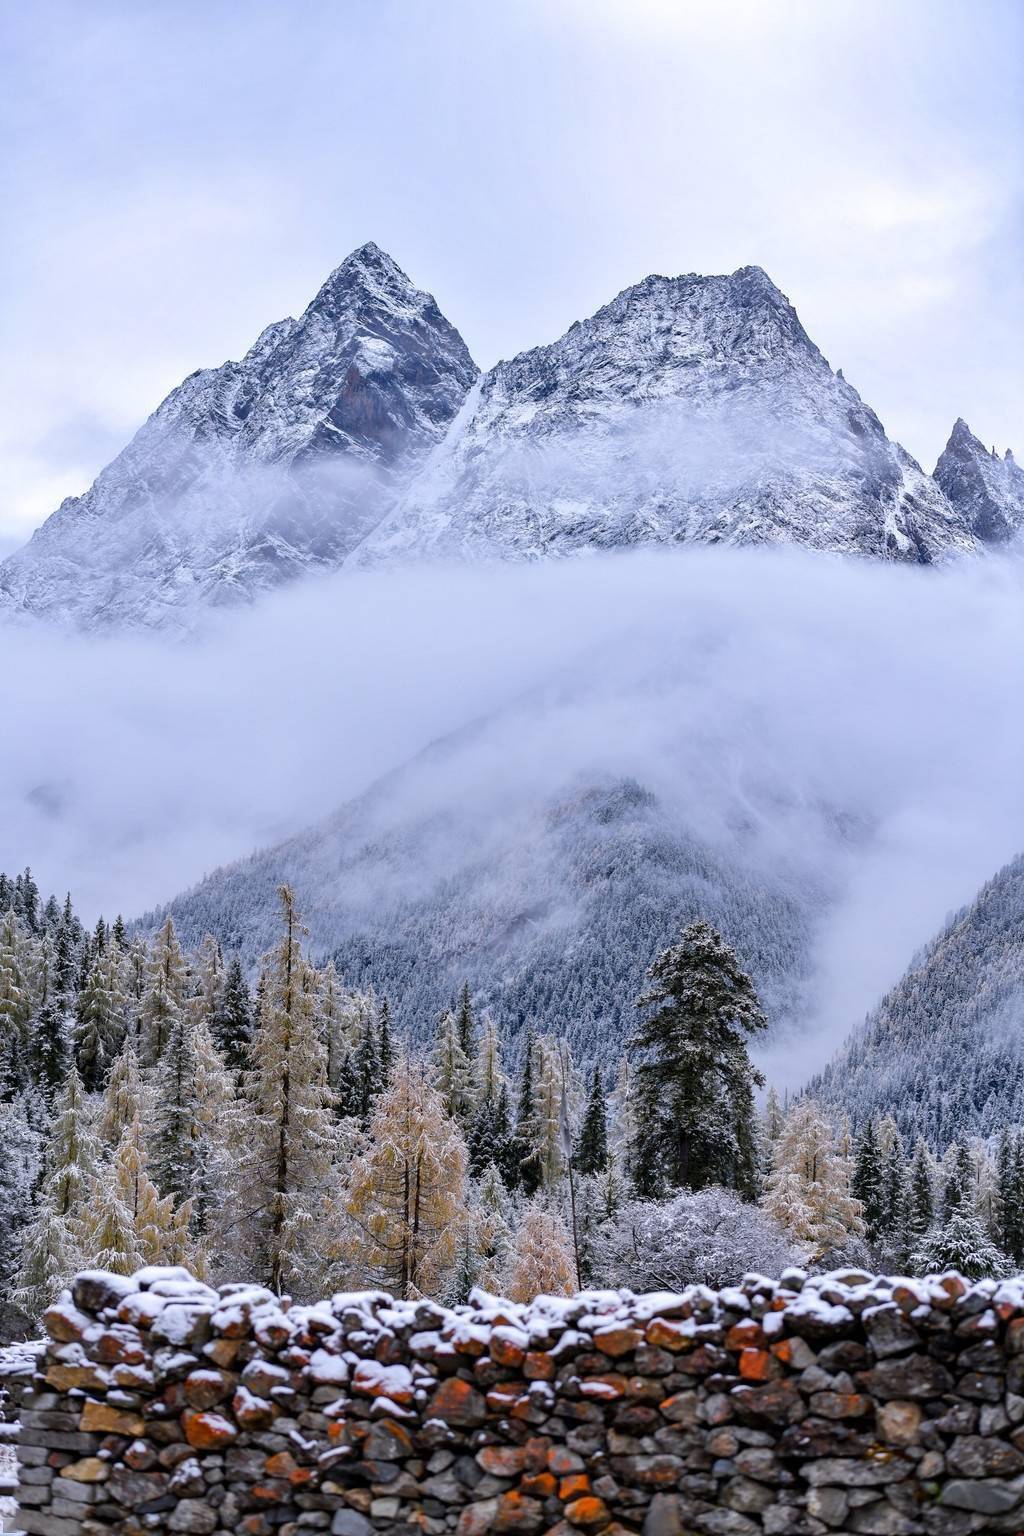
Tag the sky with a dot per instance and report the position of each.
(176, 175)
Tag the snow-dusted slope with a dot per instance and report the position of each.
(986, 490)
(689, 408)
(944, 1052)
(253, 472)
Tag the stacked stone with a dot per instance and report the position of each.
(840, 1403)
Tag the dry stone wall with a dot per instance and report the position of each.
(842, 1403)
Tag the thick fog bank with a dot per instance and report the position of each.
(722, 678)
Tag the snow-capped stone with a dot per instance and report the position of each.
(689, 409)
(987, 491)
(257, 471)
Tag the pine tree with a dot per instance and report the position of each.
(958, 1187)
(492, 1235)
(808, 1191)
(288, 1161)
(366, 1071)
(49, 1052)
(19, 1170)
(385, 1044)
(51, 1251)
(694, 1077)
(406, 1204)
(541, 1262)
(465, 1024)
(592, 1146)
(174, 1148)
(232, 1022)
(960, 1242)
(15, 1000)
(548, 1111)
(452, 1071)
(920, 1194)
(166, 992)
(529, 1165)
(868, 1180)
(102, 1017)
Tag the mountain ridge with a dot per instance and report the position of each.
(687, 409)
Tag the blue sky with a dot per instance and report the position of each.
(175, 175)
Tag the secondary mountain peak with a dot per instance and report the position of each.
(986, 490)
(690, 409)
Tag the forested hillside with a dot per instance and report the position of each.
(155, 1108)
(552, 913)
(944, 1051)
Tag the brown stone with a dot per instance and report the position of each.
(387, 1441)
(666, 1333)
(604, 1389)
(101, 1419)
(538, 1366)
(618, 1341)
(502, 1460)
(65, 1378)
(456, 1402)
(745, 1335)
(89, 1470)
(758, 1365)
(505, 1351)
(540, 1485)
(574, 1486)
(206, 1388)
(208, 1431)
(589, 1513)
(516, 1512)
(222, 1352)
(252, 1412)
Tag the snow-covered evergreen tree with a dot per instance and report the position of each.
(52, 1247)
(694, 1078)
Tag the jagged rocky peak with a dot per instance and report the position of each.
(689, 409)
(254, 472)
(987, 490)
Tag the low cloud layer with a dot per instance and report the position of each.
(724, 678)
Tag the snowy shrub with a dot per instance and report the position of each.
(712, 1237)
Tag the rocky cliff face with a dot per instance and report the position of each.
(690, 409)
(986, 490)
(259, 470)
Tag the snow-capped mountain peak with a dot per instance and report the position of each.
(689, 409)
(988, 491)
(253, 472)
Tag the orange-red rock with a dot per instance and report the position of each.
(456, 1402)
(618, 1341)
(589, 1513)
(208, 1431)
(668, 1333)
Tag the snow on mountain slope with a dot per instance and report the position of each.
(552, 909)
(253, 472)
(688, 409)
(943, 1051)
(986, 490)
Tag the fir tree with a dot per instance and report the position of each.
(694, 1078)
(366, 1071)
(592, 1146)
(868, 1180)
(52, 1252)
(166, 991)
(385, 1044)
(49, 1052)
(958, 1188)
(920, 1194)
(452, 1072)
(960, 1242)
(19, 1170)
(529, 1166)
(232, 1022)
